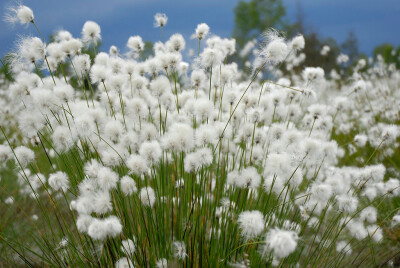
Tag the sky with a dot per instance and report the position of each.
(374, 22)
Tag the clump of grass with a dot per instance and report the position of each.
(132, 161)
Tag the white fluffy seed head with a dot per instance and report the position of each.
(151, 151)
(297, 43)
(128, 247)
(205, 135)
(281, 242)
(251, 224)
(62, 139)
(147, 196)
(32, 49)
(160, 19)
(179, 250)
(83, 222)
(250, 178)
(274, 49)
(343, 246)
(211, 57)
(24, 156)
(176, 43)
(25, 14)
(137, 165)
(357, 229)
(347, 203)
(100, 229)
(71, 47)
(92, 168)
(102, 202)
(191, 164)
(360, 140)
(21, 14)
(64, 92)
(204, 156)
(81, 65)
(159, 86)
(369, 214)
(135, 43)
(375, 232)
(5, 153)
(97, 229)
(201, 31)
(59, 181)
(124, 263)
(91, 32)
(179, 137)
(99, 73)
(114, 226)
(162, 263)
(313, 74)
(62, 35)
(198, 78)
(128, 185)
(107, 179)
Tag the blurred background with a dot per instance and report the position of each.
(358, 28)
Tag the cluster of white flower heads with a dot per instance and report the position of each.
(168, 135)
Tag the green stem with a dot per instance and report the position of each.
(237, 104)
(37, 29)
(198, 52)
(377, 148)
(37, 71)
(309, 134)
(48, 66)
(209, 92)
(109, 100)
(176, 92)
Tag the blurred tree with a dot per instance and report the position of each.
(385, 50)
(299, 25)
(350, 47)
(389, 53)
(5, 68)
(147, 51)
(314, 44)
(251, 19)
(255, 16)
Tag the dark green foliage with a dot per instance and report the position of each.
(254, 17)
(5, 68)
(389, 53)
(350, 47)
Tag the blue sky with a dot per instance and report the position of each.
(374, 22)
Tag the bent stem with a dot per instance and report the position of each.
(237, 104)
(48, 66)
(109, 100)
(373, 153)
(198, 52)
(243, 245)
(309, 134)
(37, 71)
(252, 141)
(37, 29)
(62, 71)
(90, 87)
(261, 90)
(94, 48)
(176, 93)
(292, 88)
(209, 91)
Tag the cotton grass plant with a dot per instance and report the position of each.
(125, 161)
